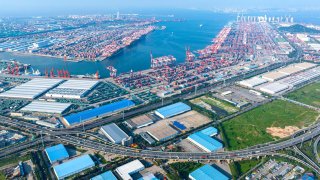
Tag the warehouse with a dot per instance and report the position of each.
(172, 110)
(115, 134)
(46, 107)
(253, 82)
(97, 112)
(210, 131)
(274, 76)
(207, 172)
(31, 89)
(189, 120)
(72, 89)
(205, 142)
(125, 171)
(73, 166)
(105, 176)
(290, 70)
(56, 153)
(162, 132)
(305, 65)
(274, 88)
(139, 122)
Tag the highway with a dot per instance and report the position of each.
(315, 148)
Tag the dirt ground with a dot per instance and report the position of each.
(282, 132)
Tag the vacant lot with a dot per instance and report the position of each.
(213, 102)
(250, 128)
(309, 94)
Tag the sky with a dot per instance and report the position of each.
(38, 7)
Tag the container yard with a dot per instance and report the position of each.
(92, 39)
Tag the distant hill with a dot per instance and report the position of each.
(298, 28)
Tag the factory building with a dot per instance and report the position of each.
(203, 140)
(162, 132)
(253, 82)
(46, 107)
(139, 122)
(116, 135)
(210, 131)
(72, 89)
(73, 166)
(172, 110)
(31, 89)
(274, 88)
(105, 176)
(56, 153)
(207, 172)
(97, 112)
(274, 76)
(125, 171)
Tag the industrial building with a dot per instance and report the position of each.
(116, 135)
(210, 131)
(188, 120)
(305, 65)
(205, 142)
(57, 153)
(73, 166)
(46, 107)
(72, 89)
(162, 132)
(274, 76)
(105, 176)
(172, 110)
(207, 172)
(274, 88)
(139, 122)
(97, 112)
(31, 89)
(252, 82)
(125, 171)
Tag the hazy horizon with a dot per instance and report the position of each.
(40, 7)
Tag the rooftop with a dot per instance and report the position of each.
(57, 153)
(73, 166)
(96, 112)
(127, 169)
(105, 176)
(210, 131)
(252, 82)
(172, 110)
(114, 132)
(31, 89)
(161, 131)
(206, 141)
(274, 88)
(139, 121)
(46, 107)
(273, 76)
(207, 172)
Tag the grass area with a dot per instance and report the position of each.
(308, 94)
(183, 169)
(14, 160)
(249, 129)
(241, 167)
(218, 103)
(2, 176)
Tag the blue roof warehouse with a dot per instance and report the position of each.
(97, 112)
(105, 176)
(207, 172)
(203, 140)
(56, 153)
(73, 166)
(172, 110)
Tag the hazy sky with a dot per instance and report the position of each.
(12, 7)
